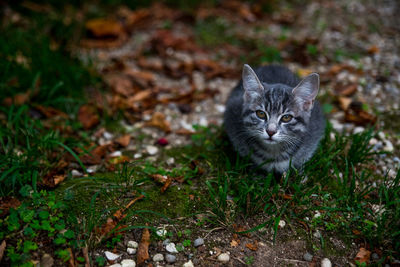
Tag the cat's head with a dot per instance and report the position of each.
(277, 113)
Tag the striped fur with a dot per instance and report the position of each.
(276, 91)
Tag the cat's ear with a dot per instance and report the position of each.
(252, 86)
(306, 91)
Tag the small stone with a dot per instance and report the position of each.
(171, 248)
(131, 251)
(116, 265)
(317, 213)
(108, 135)
(358, 129)
(198, 242)
(188, 264)
(307, 257)
(282, 223)
(133, 244)
(166, 242)
(223, 257)
(152, 150)
(47, 260)
(111, 256)
(116, 154)
(161, 232)
(317, 234)
(388, 146)
(76, 173)
(93, 169)
(128, 263)
(326, 263)
(158, 257)
(170, 258)
(373, 141)
(381, 135)
(137, 155)
(170, 161)
(392, 173)
(162, 141)
(375, 256)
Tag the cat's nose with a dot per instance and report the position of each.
(271, 133)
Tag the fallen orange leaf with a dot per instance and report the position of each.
(158, 120)
(101, 27)
(143, 250)
(363, 255)
(123, 140)
(88, 117)
(252, 246)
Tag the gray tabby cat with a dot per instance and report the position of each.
(273, 117)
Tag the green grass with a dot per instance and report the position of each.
(337, 182)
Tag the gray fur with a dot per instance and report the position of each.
(276, 91)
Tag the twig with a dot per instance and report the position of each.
(212, 230)
(86, 256)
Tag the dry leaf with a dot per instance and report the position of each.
(234, 243)
(140, 96)
(103, 28)
(348, 90)
(50, 112)
(304, 72)
(363, 255)
(373, 49)
(88, 117)
(162, 179)
(166, 185)
(158, 120)
(344, 102)
(143, 250)
(252, 246)
(59, 178)
(143, 78)
(121, 84)
(6, 203)
(2, 248)
(123, 140)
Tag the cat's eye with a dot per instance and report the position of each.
(286, 118)
(261, 114)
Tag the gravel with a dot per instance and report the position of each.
(131, 251)
(223, 257)
(198, 242)
(133, 244)
(111, 256)
(308, 257)
(188, 264)
(128, 263)
(170, 258)
(326, 263)
(158, 257)
(171, 248)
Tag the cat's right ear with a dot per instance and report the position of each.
(252, 86)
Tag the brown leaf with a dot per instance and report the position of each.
(123, 140)
(241, 228)
(119, 160)
(348, 90)
(252, 246)
(363, 255)
(166, 185)
(103, 43)
(344, 102)
(59, 178)
(195, 164)
(121, 84)
(143, 250)
(6, 203)
(103, 28)
(162, 179)
(50, 112)
(158, 120)
(140, 96)
(184, 131)
(234, 243)
(373, 49)
(143, 78)
(2, 248)
(88, 117)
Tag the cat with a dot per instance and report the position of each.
(273, 117)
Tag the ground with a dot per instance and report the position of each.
(112, 124)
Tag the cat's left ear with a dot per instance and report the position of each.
(306, 91)
(252, 86)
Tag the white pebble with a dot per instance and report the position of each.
(111, 256)
(171, 248)
(158, 257)
(358, 129)
(76, 173)
(317, 213)
(116, 265)
(392, 173)
(388, 146)
(188, 264)
(152, 150)
(128, 263)
(137, 155)
(326, 263)
(170, 161)
(116, 154)
(108, 135)
(93, 169)
(223, 257)
(282, 223)
(381, 135)
(133, 244)
(373, 141)
(131, 251)
(317, 234)
(203, 122)
(161, 232)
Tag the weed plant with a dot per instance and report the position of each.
(336, 193)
